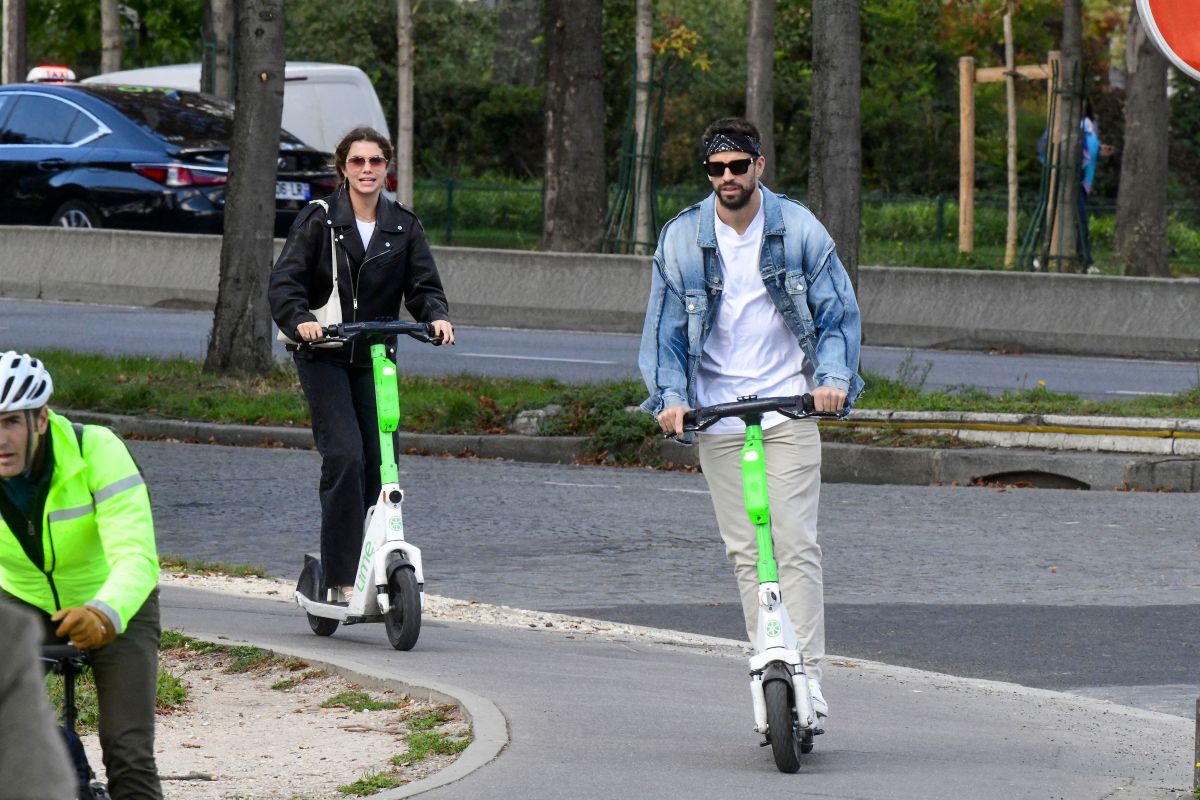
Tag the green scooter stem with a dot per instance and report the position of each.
(387, 409)
(754, 485)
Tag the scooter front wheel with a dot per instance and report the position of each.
(781, 726)
(403, 619)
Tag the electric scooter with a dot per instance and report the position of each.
(783, 708)
(389, 586)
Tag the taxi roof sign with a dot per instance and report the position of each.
(50, 74)
(1174, 26)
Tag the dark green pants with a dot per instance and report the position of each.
(126, 674)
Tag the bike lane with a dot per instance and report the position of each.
(630, 714)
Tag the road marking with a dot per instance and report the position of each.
(582, 485)
(539, 358)
(685, 491)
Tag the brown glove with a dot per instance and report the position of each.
(87, 627)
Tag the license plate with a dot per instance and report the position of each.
(291, 190)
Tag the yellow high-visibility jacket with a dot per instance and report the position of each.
(97, 531)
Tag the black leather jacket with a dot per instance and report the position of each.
(398, 267)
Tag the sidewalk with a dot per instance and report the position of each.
(1055, 451)
(629, 713)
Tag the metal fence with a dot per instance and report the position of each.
(896, 230)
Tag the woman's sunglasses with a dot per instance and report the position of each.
(379, 161)
(716, 169)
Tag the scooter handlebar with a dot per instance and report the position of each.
(798, 406)
(343, 332)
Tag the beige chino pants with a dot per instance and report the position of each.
(793, 454)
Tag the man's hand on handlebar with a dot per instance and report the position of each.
(671, 420)
(828, 399)
(442, 328)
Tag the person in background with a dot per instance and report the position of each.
(1093, 150)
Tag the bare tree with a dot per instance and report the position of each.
(1064, 236)
(1141, 235)
(515, 59)
(404, 102)
(241, 337)
(216, 70)
(643, 236)
(760, 79)
(835, 168)
(13, 68)
(574, 194)
(110, 35)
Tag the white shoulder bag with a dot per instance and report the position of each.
(331, 312)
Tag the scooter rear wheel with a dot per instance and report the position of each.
(781, 726)
(403, 619)
(309, 585)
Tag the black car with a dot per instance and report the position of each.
(92, 156)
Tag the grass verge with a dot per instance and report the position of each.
(196, 565)
(170, 693)
(468, 404)
(430, 733)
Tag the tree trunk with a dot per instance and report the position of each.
(1064, 238)
(216, 70)
(760, 79)
(1141, 235)
(835, 169)
(1010, 104)
(13, 67)
(110, 36)
(515, 59)
(574, 194)
(404, 102)
(643, 162)
(240, 343)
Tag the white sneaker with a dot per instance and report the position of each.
(818, 700)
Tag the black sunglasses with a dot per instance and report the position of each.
(716, 169)
(360, 161)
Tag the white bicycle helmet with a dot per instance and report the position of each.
(25, 385)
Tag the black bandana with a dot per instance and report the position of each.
(731, 142)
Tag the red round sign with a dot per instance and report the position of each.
(1174, 25)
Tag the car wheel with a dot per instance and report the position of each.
(76, 214)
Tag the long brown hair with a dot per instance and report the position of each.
(362, 133)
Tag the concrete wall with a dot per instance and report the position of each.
(903, 307)
(1081, 314)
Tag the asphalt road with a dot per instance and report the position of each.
(581, 357)
(1092, 592)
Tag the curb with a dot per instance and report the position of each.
(1148, 435)
(1045, 467)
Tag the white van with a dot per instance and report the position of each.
(320, 101)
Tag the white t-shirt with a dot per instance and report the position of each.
(750, 349)
(365, 231)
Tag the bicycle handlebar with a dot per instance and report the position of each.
(61, 652)
(343, 332)
(798, 406)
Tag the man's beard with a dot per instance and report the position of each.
(739, 201)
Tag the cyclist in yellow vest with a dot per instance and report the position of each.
(77, 545)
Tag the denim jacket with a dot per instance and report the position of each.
(803, 276)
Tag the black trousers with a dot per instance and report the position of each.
(341, 402)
